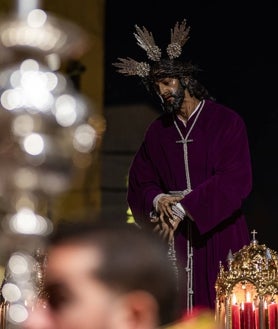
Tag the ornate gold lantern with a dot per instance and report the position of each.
(247, 290)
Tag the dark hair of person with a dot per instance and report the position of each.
(186, 72)
(133, 259)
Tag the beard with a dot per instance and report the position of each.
(174, 105)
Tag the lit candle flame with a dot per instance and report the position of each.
(248, 296)
(234, 300)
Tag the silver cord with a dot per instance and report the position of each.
(189, 266)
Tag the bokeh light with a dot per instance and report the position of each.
(48, 130)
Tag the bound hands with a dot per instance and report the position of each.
(166, 222)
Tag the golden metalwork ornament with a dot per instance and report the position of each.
(250, 280)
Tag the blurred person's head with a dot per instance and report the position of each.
(104, 275)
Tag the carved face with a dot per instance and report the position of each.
(171, 92)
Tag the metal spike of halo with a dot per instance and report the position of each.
(145, 40)
(179, 36)
(129, 66)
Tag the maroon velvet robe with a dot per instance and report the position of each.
(221, 179)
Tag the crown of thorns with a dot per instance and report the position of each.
(179, 36)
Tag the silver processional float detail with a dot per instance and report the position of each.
(47, 129)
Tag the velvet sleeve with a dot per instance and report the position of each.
(221, 195)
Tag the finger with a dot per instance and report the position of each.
(172, 223)
(166, 212)
(165, 235)
(171, 236)
(162, 234)
(156, 228)
(162, 218)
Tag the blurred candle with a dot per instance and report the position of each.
(272, 316)
(248, 314)
(235, 314)
(266, 315)
(257, 318)
(241, 315)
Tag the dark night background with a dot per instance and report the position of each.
(234, 44)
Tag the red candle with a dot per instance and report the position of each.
(272, 316)
(235, 317)
(241, 315)
(248, 316)
(257, 322)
